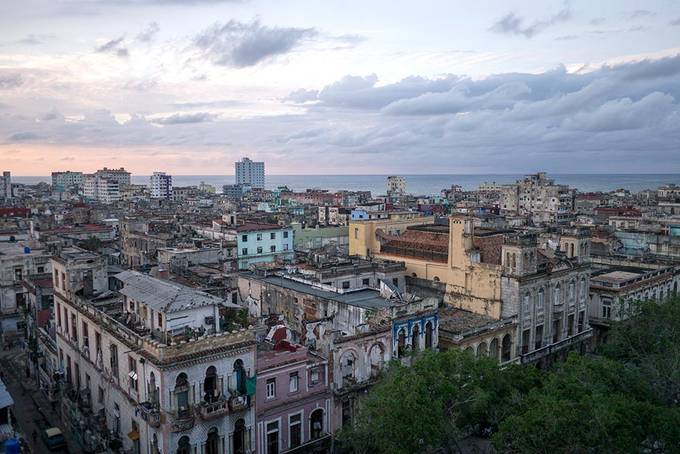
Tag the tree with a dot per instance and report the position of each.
(432, 405)
(92, 244)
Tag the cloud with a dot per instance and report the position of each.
(68, 158)
(149, 33)
(23, 137)
(10, 80)
(512, 24)
(239, 45)
(114, 46)
(302, 96)
(184, 118)
(218, 104)
(638, 14)
(675, 22)
(34, 39)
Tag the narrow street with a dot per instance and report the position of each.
(31, 408)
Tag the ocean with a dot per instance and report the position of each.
(415, 184)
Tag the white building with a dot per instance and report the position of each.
(160, 185)
(396, 185)
(151, 366)
(121, 175)
(250, 173)
(63, 180)
(258, 243)
(105, 190)
(6, 185)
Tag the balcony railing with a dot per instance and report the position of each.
(215, 409)
(239, 403)
(150, 413)
(182, 422)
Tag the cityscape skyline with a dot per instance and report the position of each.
(503, 86)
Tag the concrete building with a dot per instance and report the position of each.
(262, 243)
(334, 215)
(160, 185)
(616, 283)
(121, 175)
(7, 430)
(152, 367)
(497, 273)
(101, 189)
(396, 185)
(6, 186)
(249, 173)
(293, 401)
(539, 198)
(64, 180)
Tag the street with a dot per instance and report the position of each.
(31, 408)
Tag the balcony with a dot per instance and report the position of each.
(182, 422)
(150, 413)
(239, 403)
(208, 410)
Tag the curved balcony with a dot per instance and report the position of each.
(150, 413)
(215, 409)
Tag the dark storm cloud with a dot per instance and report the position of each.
(114, 46)
(239, 44)
(513, 24)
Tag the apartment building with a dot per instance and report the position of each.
(67, 179)
(539, 198)
(6, 186)
(249, 173)
(160, 185)
(151, 368)
(262, 243)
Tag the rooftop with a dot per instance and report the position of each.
(164, 296)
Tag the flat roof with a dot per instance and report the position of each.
(364, 298)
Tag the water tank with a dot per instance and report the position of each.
(27, 250)
(12, 446)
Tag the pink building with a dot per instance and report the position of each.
(293, 400)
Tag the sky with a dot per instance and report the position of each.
(340, 87)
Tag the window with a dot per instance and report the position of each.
(395, 281)
(295, 430)
(356, 233)
(366, 282)
(114, 360)
(259, 237)
(132, 363)
(100, 395)
(315, 376)
(86, 335)
(345, 284)
(18, 274)
(41, 269)
(271, 388)
(244, 238)
(285, 234)
(56, 278)
(541, 300)
(259, 249)
(272, 236)
(316, 424)
(570, 325)
(581, 320)
(160, 320)
(273, 437)
(606, 308)
(59, 315)
(293, 382)
(525, 305)
(272, 248)
(538, 337)
(244, 251)
(285, 246)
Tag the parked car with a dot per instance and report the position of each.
(54, 439)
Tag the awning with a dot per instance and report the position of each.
(133, 435)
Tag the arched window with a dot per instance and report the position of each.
(182, 395)
(571, 250)
(482, 350)
(506, 348)
(414, 275)
(428, 335)
(493, 349)
(212, 444)
(469, 350)
(240, 376)
(316, 424)
(401, 343)
(436, 279)
(183, 446)
(415, 338)
(239, 437)
(210, 385)
(347, 366)
(376, 358)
